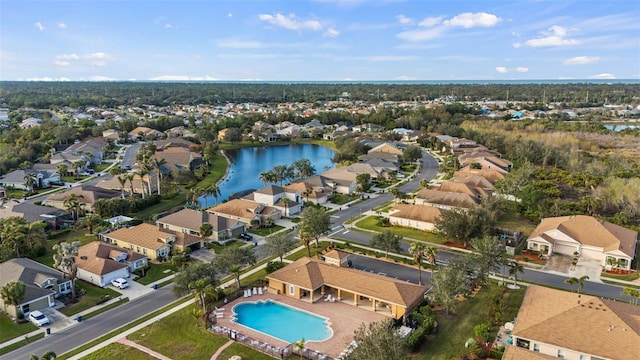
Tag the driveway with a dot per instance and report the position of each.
(559, 264)
(203, 254)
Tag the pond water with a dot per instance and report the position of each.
(248, 163)
(621, 127)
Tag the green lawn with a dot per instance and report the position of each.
(512, 220)
(303, 252)
(371, 223)
(217, 248)
(341, 199)
(92, 295)
(266, 231)
(455, 329)
(195, 341)
(118, 351)
(629, 277)
(10, 330)
(162, 206)
(21, 343)
(244, 352)
(156, 272)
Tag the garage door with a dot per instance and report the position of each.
(563, 248)
(591, 254)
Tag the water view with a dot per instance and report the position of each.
(621, 127)
(248, 163)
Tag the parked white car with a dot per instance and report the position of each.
(120, 283)
(38, 318)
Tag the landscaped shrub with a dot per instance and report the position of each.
(273, 266)
(416, 338)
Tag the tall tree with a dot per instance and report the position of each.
(315, 222)
(488, 256)
(306, 238)
(214, 191)
(431, 253)
(123, 182)
(12, 293)
(233, 260)
(196, 276)
(64, 258)
(72, 203)
(364, 181)
(279, 244)
(378, 341)
(579, 281)
(30, 181)
(412, 153)
(157, 163)
(446, 285)
(62, 169)
(417, 250)
(77, 165)
(206, 230)
(515, 268)
(49, 355)
(387, 241)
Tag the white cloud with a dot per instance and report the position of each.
(430, 21)
(46, 78)
(469, 20)
(386, 58)
(62, 25)
(406, 78)
(39, 26)
(603, 76)
(517, 45)
(290, 22)
(420, 34)
(555, 36)
(68, 57)
(229, 15)
(98, 59)
(168, 26)
(99, 78)
(581, 60)
(240, 44)
(404, 20)
(61, 63)
(331, 32)
(522, 69)
(502, 69)
(183, 78)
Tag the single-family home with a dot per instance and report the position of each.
(31, 122)
(87, 197)
(249, 212)
(554, 324)
(312, 280)
(445, 200)
(341, 180)
(487, 162)
(313, 189)
(368, 127)
(135, 184)
(189, 221)
(386, 148)
(592, 238)
(177, 157)
(42, 285)
(287, 200)
(99, 263)
(17, 179)
(463, 188)
(54, 218)
(490, 174)
(421, 217)
(144, 133)
(145, 239)
(92, 148)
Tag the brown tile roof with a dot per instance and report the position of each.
(595, 326)
(475, 180)
(336, 254)
(270, 190)
(462, 188)
(447, 198)
(90, 194)
(177, 156)
(310, 274)
(97, 257)
(238, 207)
(193, 219)
(517, 353)
(145, 235)
(486, 173)
(590, 231)
(424, 213)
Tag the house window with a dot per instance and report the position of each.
(292, 289)
(534, 245)
(561, 353)
(138, 249)
(536, 347)
(144, 251)
(522, 343)
(583, 357)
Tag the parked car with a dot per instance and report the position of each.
(38, 318)
(246, 236)
(120, 283)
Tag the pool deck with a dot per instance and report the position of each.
(344, 319)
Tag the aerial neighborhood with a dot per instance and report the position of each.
(459, 227)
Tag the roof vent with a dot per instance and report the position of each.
(83, 257)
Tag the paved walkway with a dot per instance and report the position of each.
(221, 349)
(144, 349)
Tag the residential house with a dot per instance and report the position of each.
(489, 174)
(334, 135)
(488, 163)
(54, 218)
(145, 133)
(341, 180)
(558, 324)
(377, 155)
(92, 148)
(136, 184)
(42, 284)
(173, 142)
(368, 127)
(111, 134)
(98, 263)
(445, 200)
(179, 158)
(189, 221)
(287, 201)
(463, 188)
(17, 179)
(222, 134)
(69, 159)
(145, 239)
(415, 216)
(31, 122)
(312, 280)
(312, 189)
(249, 212)
(87, 197)
(386, 148)
(592, 238)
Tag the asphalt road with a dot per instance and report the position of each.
(88, 330)
(129, 158)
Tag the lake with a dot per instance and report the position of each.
(620, 127)
(248, 163)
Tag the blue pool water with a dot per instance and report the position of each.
(282, 322)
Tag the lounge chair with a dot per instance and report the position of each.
(328, 298)
(259, 291)
(255, 291)
(219, 315)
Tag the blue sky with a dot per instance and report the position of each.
(321, 40)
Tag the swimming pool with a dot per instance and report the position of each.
(282, 322)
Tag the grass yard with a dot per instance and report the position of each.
(118, 351)
(92, 295)
(217, 248)
(244, 352)
(21, 343)
(303, 252)
(371, 223)
(266, 231)
(511, 220)
(625, 277)
(454, 330)
(156, 272)
(10, 330)
(68, 236)
(195, 341)
(341, 199)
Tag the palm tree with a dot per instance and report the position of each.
(213, 191)
(306, 238)
(417, 249)
(12, 293)
(49, 355)
(62, 169)
(123, 182)
(77, 165)
(286, 202)
(515, 268)
(267, 177)
(300, 346)
(30, 181)
(130, 177)
(206, 230)
(577, 281)
(431, 253)
(148, 167)
(633, 293)
(65, 258)
(72, 203)
(235, 269)
(142, 172)
(307, 191)
(157, 163)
